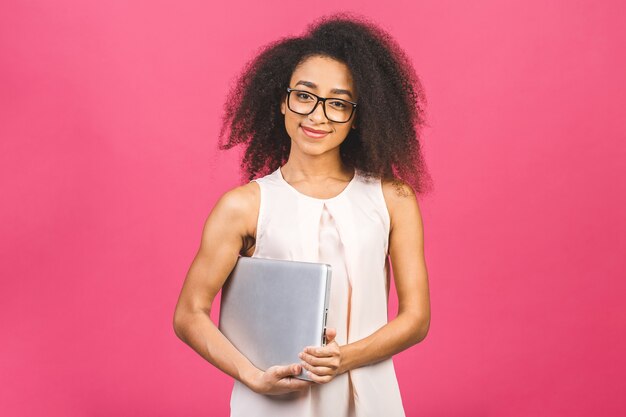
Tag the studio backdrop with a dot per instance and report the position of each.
(109, 118)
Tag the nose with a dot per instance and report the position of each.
(317, 115)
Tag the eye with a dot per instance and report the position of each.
(303, 95)
(338, 104)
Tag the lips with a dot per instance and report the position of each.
(314, 130)
(314, 133)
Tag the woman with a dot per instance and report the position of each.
(330, 124)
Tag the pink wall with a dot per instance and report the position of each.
(108, 117)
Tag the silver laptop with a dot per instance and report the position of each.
(271, 309)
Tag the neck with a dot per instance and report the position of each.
(318, 167)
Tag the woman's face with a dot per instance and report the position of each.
(325, 77)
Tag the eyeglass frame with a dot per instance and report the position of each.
(323, 100)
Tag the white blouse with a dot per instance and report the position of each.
(351, 233)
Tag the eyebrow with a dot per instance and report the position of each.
(334, 90)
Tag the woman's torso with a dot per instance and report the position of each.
(292, 225)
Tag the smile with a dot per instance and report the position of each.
(312, 133)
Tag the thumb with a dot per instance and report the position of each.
(285, 371)
(331, 333)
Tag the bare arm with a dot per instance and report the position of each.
(230, 225)
(406, 249)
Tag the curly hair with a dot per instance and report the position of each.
(386, 142)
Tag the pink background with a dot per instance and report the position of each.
(109, 113)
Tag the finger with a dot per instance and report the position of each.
(285, 371)
(320, 379)
(317, 361)
(321, 352)
(291, 383)
(320, 370)
(331, 333)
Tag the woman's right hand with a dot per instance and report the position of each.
(278, 380)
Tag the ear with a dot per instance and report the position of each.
(283, 104)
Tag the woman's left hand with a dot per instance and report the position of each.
(322, 362)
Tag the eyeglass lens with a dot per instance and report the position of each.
(337, 110)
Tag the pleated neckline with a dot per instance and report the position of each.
(299, 193)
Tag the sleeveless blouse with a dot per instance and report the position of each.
(350, 232)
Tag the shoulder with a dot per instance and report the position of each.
(240, 198)
(239, 205)
(397, 192)
(400, 199)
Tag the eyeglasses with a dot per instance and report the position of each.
(335, 109)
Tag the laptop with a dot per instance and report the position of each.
(271, 309)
